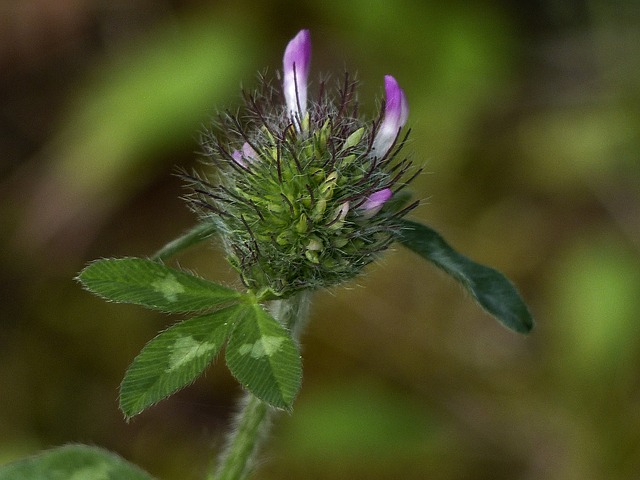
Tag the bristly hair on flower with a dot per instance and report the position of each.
(301, 188)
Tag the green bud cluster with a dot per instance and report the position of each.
(292, 214)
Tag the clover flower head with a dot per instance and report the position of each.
(301, 194)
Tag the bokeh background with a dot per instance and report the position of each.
(526, 116)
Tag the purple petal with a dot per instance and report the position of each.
(237, 157)
(297, 58)
(248, 152)
(396, 112)
(374, 202)
(240, 156)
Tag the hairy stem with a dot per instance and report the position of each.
(197, 234)
(254, 420)
(251, 428)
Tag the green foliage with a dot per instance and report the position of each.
(264, 358)
(261, 353)
(175, 358)
(492, 290)
(153, 285)
(73, 462)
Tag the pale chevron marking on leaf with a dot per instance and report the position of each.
(169, 287)
(185, 350)
(266, 345)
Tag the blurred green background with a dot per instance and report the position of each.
(526, 116)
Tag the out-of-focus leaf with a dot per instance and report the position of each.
(263, 357)
(153, 285)
(73, 462)
(148, 99)
(333, 427)
(595, 290)
(491, 289)
(174, 359)
(151, 97)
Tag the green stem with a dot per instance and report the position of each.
(197, 234)
(252, 426)
(255, 417)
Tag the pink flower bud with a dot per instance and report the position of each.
(374, 202)
(296, 64)
(247, 153)
(396, 111)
